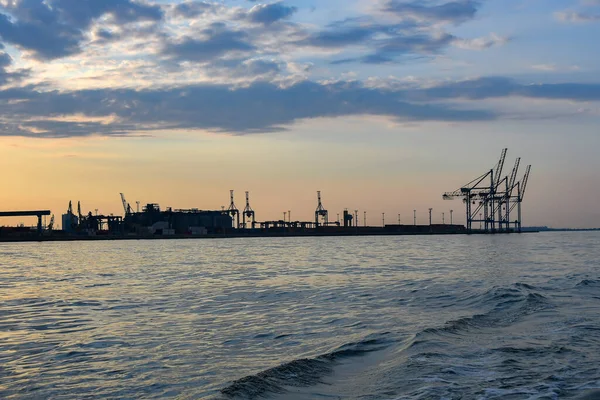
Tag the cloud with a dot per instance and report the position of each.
(56, 28)
(6, 76)
(192, 9)
(497, 87)
(260, 107)
(454, 11)
(576, 17)
(481, 43)
(383, 43)
(269, 13)
(544, 67)
(257, 107)
(403, 47)
(214, 42)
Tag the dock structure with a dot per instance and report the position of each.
(36, 213)
(492, 199)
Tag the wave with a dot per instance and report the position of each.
(508, 305)
(589, 282)
(302, 372)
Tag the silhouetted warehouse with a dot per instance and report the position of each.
(178, 221)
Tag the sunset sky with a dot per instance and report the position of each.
(382, 105)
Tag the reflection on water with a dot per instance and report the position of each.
(442, 316)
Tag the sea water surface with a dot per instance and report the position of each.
(404, 317)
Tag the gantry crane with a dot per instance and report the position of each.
(233, 210)
(492, 203)
(518, 199)
(248, 212)
(321, 212)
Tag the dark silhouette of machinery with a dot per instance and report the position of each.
(490, 199)
(233, 211)
(321, 213)
(248, 212)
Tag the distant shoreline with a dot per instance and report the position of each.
(73, 238)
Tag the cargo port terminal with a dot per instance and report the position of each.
(492, 204)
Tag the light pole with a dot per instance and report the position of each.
(415, 217)
(399, 220)
(443, 220)
(451, 211)
(383, 219)
(284, 219)
(430, 210)
(289, 216)
(356, 218)
(365, 219)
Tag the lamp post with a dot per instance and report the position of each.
(383, 219)
(430, 210)
(415, 217)
(443, 220)
(451, 211)
(365, 219)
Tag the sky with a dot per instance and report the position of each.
(382, 105)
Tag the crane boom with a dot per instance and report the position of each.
(499, 168)
(525, 179)
(513, 175)
(125, 205)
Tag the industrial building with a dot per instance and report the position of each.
(153, 220)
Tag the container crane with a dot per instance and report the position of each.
(487, 202)
(248, 212)
(321, 212)
(233, 210)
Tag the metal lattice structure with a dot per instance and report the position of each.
(490, 198)
(248, 212)
(321, 212)
(233, 210)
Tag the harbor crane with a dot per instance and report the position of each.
(248, 212)
(233, 210)
(489, 198)
(321, 212)
(126, 206)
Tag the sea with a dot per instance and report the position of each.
(374, 317)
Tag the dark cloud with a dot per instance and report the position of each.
(5, 76)
(453, 11)
(56, 28)
(269, 13)
(260, 107)
(215, 42)
(192, 9)
(344, 36)
(498, 87)
(386, 42)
